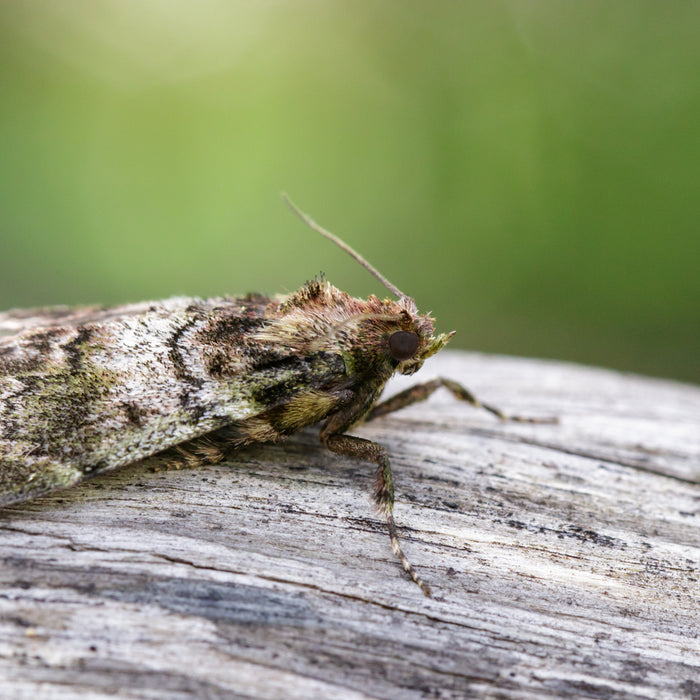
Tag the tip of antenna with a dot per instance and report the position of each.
(299, 213)
(288, 201)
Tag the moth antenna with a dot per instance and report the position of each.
(342, 245)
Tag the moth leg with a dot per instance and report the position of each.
(211, 448)
(421, 392)
(369, 451)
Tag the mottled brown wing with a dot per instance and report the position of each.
(91, 389)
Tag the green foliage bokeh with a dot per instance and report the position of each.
(528, 171)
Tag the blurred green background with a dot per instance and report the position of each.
(528, 171)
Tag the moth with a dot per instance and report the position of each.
(185, 381)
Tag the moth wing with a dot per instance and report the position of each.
(17, 322)
(86, 390)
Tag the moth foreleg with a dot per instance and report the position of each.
(383, 489)
(420, 392)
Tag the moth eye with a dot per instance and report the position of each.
(403, 345)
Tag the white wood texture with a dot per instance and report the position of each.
(564, 559)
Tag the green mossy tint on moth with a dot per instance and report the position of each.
(185, 381)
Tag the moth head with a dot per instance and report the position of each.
(410, 350)
(407, 338)
(414, 341)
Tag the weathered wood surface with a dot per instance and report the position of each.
(564, 559)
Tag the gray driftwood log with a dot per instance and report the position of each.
(564, 559)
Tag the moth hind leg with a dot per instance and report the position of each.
(211, 448)
(369, 451)
(420, 392)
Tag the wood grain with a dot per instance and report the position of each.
(564, 559)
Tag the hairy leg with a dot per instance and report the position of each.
(421, 392)
(383, 489)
